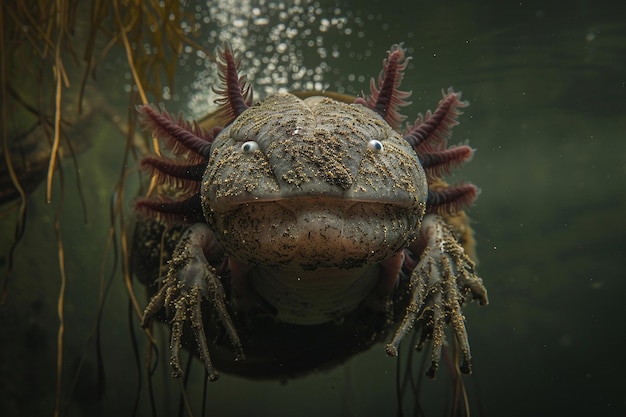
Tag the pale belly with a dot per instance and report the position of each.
(309, 297)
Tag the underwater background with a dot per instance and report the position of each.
(547, 87)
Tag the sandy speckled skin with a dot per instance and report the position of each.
(306, 199)
(313, 165)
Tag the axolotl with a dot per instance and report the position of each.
(316, 226)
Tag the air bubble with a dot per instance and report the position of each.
(289, 28)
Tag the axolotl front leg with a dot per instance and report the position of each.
(190, 280)
(443, 279)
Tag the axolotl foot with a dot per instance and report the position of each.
(189, 281)
(442, 281)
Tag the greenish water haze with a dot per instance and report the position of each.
(547, 86)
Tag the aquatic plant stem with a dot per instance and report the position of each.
(129, 54)
(119, 208)
(60, 309)
(140, 89)
(460, 393)
(56, 140)
(61, 15)
(60, 76)
(21, 216)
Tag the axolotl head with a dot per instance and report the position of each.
(312, 183)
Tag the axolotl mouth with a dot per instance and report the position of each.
(313, 232)
(315, 258)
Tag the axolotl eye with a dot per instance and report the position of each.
(249, 146)
(375, 145)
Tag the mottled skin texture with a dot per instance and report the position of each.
(297, 211)
(310, 212)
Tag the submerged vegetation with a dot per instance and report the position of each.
(50, 53)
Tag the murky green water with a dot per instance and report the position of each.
(546, 82)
